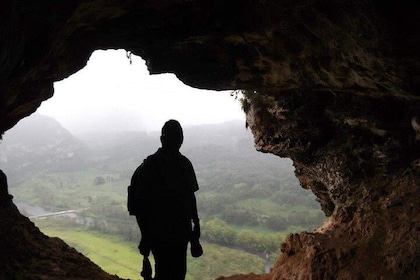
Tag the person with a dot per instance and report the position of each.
(167, 208)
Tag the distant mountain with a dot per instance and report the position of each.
(224, 138)
(227, 134)
(41, 143)
(229, 138)
(120, 146)
(38, 142)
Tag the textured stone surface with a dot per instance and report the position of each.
(334, 85)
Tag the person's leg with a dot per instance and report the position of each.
(180, 265)
(163, 259)
(170, 261)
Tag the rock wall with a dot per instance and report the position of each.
(334, 85)
(365, 175)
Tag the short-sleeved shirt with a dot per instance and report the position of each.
(166, 185)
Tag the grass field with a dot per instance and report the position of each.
(110, 252)
(117, 256)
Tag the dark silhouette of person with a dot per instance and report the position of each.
(167, 208)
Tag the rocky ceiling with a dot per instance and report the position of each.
(332, 84)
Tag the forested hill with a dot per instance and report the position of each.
(36, 143)
(222, 154)
(227, 152)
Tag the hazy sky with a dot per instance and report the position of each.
(112, 94)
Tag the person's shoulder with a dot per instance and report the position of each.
(185, 160)
(152, 158)
(183, 157)
(146, 165)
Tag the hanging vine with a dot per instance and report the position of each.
(128, 55)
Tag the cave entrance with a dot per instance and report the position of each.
(248, 201)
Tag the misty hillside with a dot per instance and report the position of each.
(38, 142)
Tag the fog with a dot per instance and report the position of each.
(115, 93)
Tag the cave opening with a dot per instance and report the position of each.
(339, 95)
(230, 220)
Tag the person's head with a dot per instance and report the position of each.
(172, 136)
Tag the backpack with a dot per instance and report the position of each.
(131, 195)
(131, 202)
(133, 190)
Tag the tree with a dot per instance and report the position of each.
(276, 223)
(239, 216)
(217, 231)
(99, 181)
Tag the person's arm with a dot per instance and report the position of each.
(196, 248)
(194, 209)
(196, 230)
(193, 187)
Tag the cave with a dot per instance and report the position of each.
(332, 85)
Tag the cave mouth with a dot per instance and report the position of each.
(338, 94)
(295, 218)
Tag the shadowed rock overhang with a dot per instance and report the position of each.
(334, 85)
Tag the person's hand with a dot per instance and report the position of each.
(144, 247)
(196, 248)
